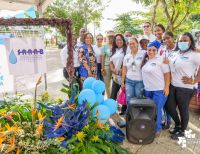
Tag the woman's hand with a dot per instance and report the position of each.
(165, 60)
(187, 80)
(122, 85)
(89, 73)
(166, 91)
(103, 72)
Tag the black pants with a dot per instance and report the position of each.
(114, 91)
(99, 74)
(179, 97)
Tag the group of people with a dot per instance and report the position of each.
(155, 65)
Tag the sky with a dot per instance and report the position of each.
(115, 8)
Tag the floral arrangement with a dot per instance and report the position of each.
(57, 126)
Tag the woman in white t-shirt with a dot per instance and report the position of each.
(183, 66)
(97, 50)
(156, 79)
(131, 72)
(116, 60)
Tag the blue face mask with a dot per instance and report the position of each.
(183, 46)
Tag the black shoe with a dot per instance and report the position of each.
(121, 124)
(174, 130)
(177, 135)
(167, 126)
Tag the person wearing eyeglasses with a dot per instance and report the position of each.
(156, 79)
(147, 31)
(183, 64)
(97, 50)
(105, 61)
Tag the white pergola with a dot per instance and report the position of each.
(15, 5)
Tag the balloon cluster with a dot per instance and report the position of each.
(93, 93)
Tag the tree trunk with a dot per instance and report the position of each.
(154, 13)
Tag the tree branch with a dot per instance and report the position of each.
(167, 13)
(154, 13)
(186, 14)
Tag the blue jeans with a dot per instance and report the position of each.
(159, 99)
(133, 89)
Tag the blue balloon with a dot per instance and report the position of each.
(99, 98)
(98, 86)
(102, 112)
(111, 104)
(87, 95)
(87, 84)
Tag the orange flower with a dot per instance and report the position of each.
(1, 140)
(59, 122)
(72, 106)
(12, 129)
(99, 124)
(97, 112)
(33, 111)
(61, 138)
(40, 116)
(18, 151)
(12, 145)
(39, 130)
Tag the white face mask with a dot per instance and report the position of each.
(183, 46)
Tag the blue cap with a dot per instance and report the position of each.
(155, 43)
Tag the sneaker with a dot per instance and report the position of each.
(174, 130)
(177, 135)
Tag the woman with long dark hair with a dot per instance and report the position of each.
(88, 63)
(116, 61)
(183, 66)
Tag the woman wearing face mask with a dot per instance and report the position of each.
(105, 61)
(183, 65)
(118, 52)
(156, 79)
(88, 63)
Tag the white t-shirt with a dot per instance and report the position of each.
(151, 37)
(117, 58)
(64, 56)
(183, 64)
(153, 74)
(164, 52)
(133, 65)
(97, 51)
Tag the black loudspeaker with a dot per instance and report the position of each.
(140, 121)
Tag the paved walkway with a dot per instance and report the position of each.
(161, 145)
